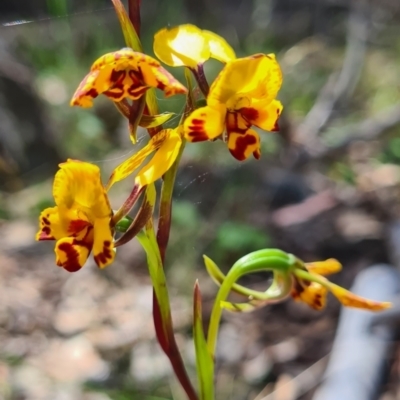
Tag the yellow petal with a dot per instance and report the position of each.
(151, 121)
(87, 90)
(132, 163)
(162, 161)
(154, 75)
(103, 252)
(263, 114)
(349, 299)
(50, 226)
(269, 76)
(330, 266)
(183, 45)
(205, 123)
(242, 145)
(258, 76)
(77, 185)
(71, 253)
(219, 47)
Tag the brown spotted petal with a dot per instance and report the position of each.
(242, 145)
(124, 74)
(103, 247)
(50, 224)
(72, 252)
(311, 293)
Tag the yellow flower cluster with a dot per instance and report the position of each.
(242, 95)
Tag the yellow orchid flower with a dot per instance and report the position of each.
(303, 281)
(124, 74)
(242, 95)
(312, 288)
(187, 45)
(165, 144)
(80, 221)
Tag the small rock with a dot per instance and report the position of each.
(71, 321)
(31, 383)
(148, 363)
(72, 360)
(284, 351)
(255, 370)
(230, 348)
(355, 225)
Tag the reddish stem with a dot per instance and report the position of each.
(201, 79)
(164, 227)
(134, 14)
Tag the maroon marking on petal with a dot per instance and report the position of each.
(77, 225)
(248, 113)
(92, 93)
(137, 91)
(232, 124)
(276, 127)
(139, 74)
(241, 144)
(197, 136)
(257, 154)
(317, 300)
(45, 234)
(196, 131)
(72, 262)
(161, 86)
(46, 221)
(136, 76)
(117, 76)
(105, 255)
(116, 93)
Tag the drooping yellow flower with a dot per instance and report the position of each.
(242, 95)
(187, 45)
(313, 291)
(80, 221)
(165, 145)
(124, 74)
(291, 276)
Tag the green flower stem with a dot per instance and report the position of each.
(262, 260)
(303, 274)
(162, 309)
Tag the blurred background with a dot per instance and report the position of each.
(327, 185)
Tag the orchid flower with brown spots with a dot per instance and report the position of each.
(291, 277)
(242, 95)
(125, 74)
(80, 221)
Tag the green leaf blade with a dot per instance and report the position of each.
(204, 360)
